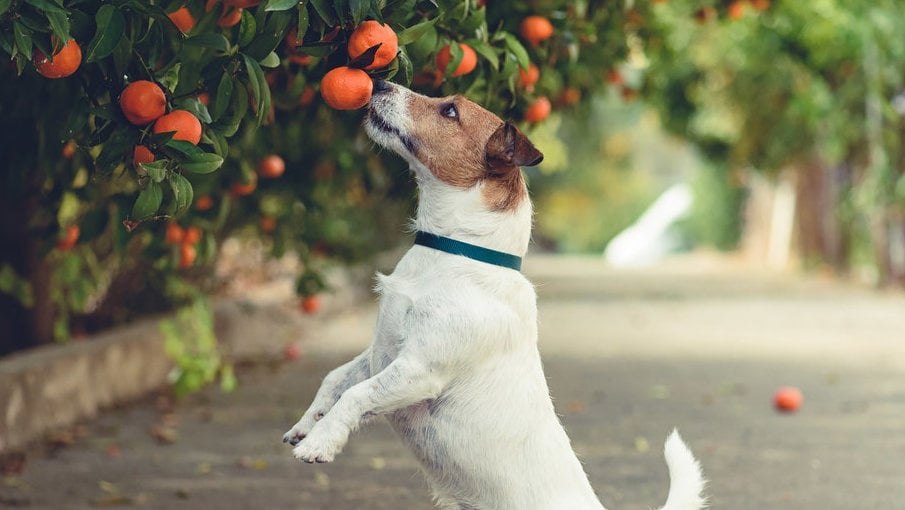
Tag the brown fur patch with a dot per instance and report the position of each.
(454, 148)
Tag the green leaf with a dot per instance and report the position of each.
(196, 107)
(228, 125)
(486, 51)
(202, 163)
(325, 10)
(359, 10)
(110, 27)
(148, 202)
(171, 78)
(217, 141)
(216, 42)
(258, 88)
(247, 29)
(518, 50)
(415, 32)
(4, 6)
(224, 94)
(188, 149)
(303, 21)
(23, 39)
(183, 194)
(280, 5)
(59, 23)
(268, 38)
(156, 170)
(271, 60)
(405, 67)
(47, 6)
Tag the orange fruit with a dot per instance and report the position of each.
(69, 149)
(788, 399)
(192, 235)
(187, 255)
(174, 234)
(69, 238)
(760, 5)
(141, 154)
(538, 110)
(371, 33)
(569, 96)
(230, 17)
(244, 4)
(271, 167)
(614, 77)
(268, 224)
(344, 88)
(183, 19)
(292, 39)
(628, 94)
(210, 4)
(65, 61)
(204, 203)
(301, 59)
(736, 10)
(143, 102)
(311, 304)
(240, 189)
(307, 96)
(536, 29)
(528, 77)
(186, 126)
(205, 98)
(467, 65)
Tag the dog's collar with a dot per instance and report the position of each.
(445, 244)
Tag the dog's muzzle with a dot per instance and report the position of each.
(381, 100)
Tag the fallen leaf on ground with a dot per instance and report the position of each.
(163, 434)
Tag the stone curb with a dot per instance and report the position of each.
(52, 387)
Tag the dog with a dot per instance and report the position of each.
(454, 363)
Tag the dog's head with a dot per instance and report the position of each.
(453, 140)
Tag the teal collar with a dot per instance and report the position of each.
(471, 251)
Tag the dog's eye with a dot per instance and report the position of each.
(449, 111)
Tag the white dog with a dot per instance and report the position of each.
(454, 363)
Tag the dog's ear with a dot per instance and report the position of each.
(507, 148)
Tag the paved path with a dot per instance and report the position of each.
(629, 356)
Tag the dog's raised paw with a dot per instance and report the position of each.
(305, 453)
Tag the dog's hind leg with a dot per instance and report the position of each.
(334, 385)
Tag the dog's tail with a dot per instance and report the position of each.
(686, 482)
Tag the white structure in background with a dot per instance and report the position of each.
(652, 236)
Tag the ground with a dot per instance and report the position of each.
(698, 344)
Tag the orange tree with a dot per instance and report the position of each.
(133, 133)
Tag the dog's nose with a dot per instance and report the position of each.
(381, 86)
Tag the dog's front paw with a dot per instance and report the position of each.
(301, 429)
(321, 445)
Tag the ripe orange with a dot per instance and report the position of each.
(205, 98)
(301, 59)
(371, 33)
(760, 5)
(569, 96)
(141, 154)
(614, 77)
(788, 399)
(271, 167)
(311, 304)
(344, 88)
(69, 149)
(538, 110)
(230, 17)
(240, 189)
(186, 126)
(245, 4)
(187, 255)
(528, 77)
(69, 238)
(268, 224)
(143, 102)
(204, 203)
(307, 96)
(536, 29)
(183, 19)
(736, 10)
(174, 234)
(65, 61)
(192, 235)
(292, 40)
(467, 65)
